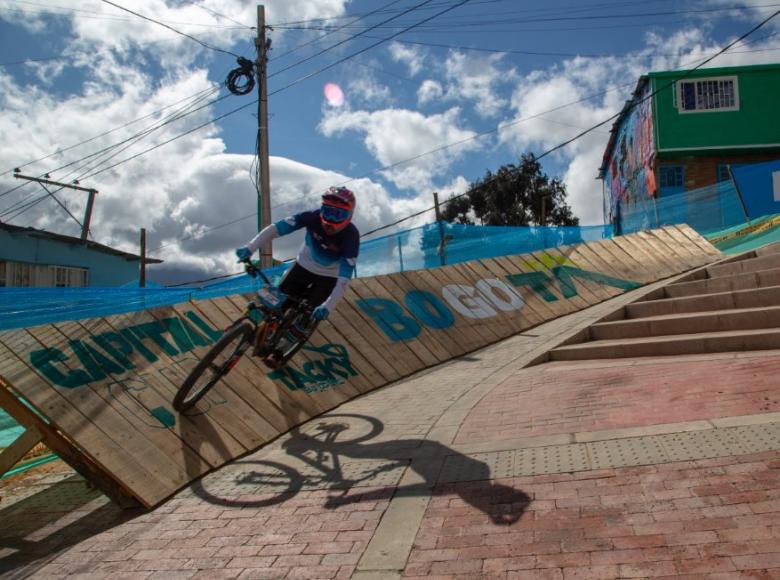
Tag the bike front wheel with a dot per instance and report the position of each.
(217, 363)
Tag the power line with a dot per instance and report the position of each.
(526, 20)
(597, 125)
(354, 54)
(93, 15)
(404, 13)
(170, 28)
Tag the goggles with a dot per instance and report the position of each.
(333, 214)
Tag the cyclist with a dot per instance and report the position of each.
(327, 259)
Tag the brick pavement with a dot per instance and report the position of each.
(714, 518)
(566, 398)
(704, 518)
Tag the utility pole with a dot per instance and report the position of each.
(90, 199)
(442, 238)
(264, 180)
(142, 276)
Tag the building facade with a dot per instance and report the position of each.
(36, 258)
(682, 130)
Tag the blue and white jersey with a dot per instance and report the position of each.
(333, 256)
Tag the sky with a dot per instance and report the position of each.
(394, 99)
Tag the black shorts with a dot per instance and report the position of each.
(301, 283)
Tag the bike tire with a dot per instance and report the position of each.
(191, 391)
(295, 347)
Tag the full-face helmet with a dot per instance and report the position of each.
(338, 205)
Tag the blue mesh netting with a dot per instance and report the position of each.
(407, 250)
(706, 210)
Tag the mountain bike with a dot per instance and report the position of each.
(275, 327)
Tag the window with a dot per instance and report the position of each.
(22, 278)
(2, 273)
(713, 94)
(671, 176)
(67, 277)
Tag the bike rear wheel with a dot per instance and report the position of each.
(217, 363)
(294, 346)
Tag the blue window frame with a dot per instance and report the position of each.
(672, 179)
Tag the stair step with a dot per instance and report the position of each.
(744, 281)
(750, 298)
(768, 249)
(709, 342)
(765, 262)
(689, 323)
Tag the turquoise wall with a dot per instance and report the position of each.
(755, 123)
(105, 270)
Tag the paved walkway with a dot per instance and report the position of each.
(479, 468)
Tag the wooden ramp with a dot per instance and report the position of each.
(98, 391)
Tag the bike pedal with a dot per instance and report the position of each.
(272, 362)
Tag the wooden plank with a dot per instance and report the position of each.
(83, 416)
(143, 408)
(699, 240)
(657, 267)
(151, 445)
(690, 259)
(531, 314)
(395, 353)
(576, 302)
(459, 342)
(666, 244)
(155, 348)
(398, 285)
(599, 292)
(415, 350)
(437, 279)
(598, 264)
(480, 329)
(702, 257)
(284, 407)
(511, 321)
(373, 378)
(343, 318)
(547, 289)
(621, 258)
(62, 446)
(662, 249)
(297, 376)
(153, 392)
(14, 453)
(531, 298)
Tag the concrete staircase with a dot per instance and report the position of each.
(733, 305)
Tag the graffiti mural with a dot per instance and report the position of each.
(328, 367)
(629, 158)
(485, 299)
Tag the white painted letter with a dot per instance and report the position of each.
(465, 300)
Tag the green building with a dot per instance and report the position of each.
(682, 130)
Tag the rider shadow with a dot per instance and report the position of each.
(332, 439)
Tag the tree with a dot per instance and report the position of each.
(513, 197)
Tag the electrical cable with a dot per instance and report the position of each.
(210, 90)
(214, 48)
(630, 105)
(354, 54)
(525, 20)
(404, 13)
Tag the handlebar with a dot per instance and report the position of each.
(253, 270)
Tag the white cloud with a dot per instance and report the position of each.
(476, 79)
(412, 56)
(396, 135)
(429, 91)
(368, 91)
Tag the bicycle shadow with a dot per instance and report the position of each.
(323, 443)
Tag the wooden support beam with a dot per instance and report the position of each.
(10, 456)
